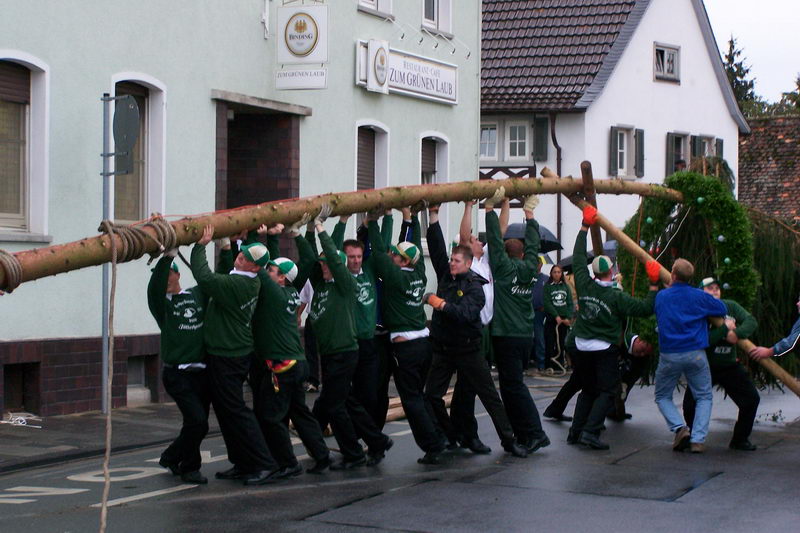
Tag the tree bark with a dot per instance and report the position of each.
(91, 251)
(589, 193)
(635, 250)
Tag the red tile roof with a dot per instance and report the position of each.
(545, 54)
(769, 167)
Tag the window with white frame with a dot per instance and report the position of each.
(678, 152)
(14, 133)
(708, 146)
(517, 140)
(489, 141)
(666, 62)
(437, 15)
(376, 7)
(623, 151)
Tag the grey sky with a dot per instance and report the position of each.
(767, 31)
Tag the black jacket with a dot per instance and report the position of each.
(459, 323)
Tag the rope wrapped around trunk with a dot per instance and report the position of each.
(10, 264)
(133, 238)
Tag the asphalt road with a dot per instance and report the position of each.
(639, 485)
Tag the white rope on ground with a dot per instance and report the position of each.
(107, 457)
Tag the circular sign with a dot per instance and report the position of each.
(301, 34)
(380, 66)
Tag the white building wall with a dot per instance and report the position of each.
(633, 97)
(193, 47)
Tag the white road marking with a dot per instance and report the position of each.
(146, 495)
(96, 476)
(205, 455)
(400, 433)
(22, 493)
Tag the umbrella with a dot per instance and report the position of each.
(548, 241)
(609, 249)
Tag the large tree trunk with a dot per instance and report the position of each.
(635, 250)
(92, 251)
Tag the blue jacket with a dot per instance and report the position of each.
(784, 346)
(682, 315)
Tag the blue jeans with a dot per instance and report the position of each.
(694, 366)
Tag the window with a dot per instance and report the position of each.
(376, 7)
(677, 152)
(667, 62)
(488, 141)
(626, 152)
(14, 132)
(428, 173)
(517, 140)
(130, 189)
(437, 15)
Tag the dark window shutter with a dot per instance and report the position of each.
(613, 146)
(129, 87)
(719, 148)
(428, 156)
(670, 154)
(365, 172)
(638, 166)
(697, 146)
(15, 83)
(540, 133)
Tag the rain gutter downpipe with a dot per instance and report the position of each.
(558, 172)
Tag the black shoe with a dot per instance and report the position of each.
(262, 477)
(194, 477)
(560, 417)
(231, 473)
(173, 467)
(743, 445)
(454, 444)
(431, 458)
(535, 444)
(349, 465)
(592, 441)
(290, 471)
(320, 466)
(515, 449)
(572, 437)
(476, 446)
(375, 458)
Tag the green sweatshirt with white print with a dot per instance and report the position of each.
(227, 330)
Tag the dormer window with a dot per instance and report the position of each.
(667, 62)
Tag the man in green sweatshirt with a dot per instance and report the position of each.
(726, 370)
(179, 314)
(514, 268)
(332, 317)
(229, 344)
(366, 379)
(403, 273)
(279, 368)
(598, 335)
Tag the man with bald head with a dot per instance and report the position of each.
(682, 314)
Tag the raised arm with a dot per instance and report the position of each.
(436, 244)
(465, 228)
(387, 225)
(338, 231)
(157, 289)
(345, 282)
(384, 265)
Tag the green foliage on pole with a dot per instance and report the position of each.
(708, 228)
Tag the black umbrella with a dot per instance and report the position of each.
(609, 249)
(547, 243)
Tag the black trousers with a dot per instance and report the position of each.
(310, 345)
(737, 384)
(349, 420)
(509, 355)
(598, 377)
(383, 348)
(191, 392)
(366, 380)
(555, 336)
(565, 394)
(412, 360)
(274, 409)
(463, 424)
(244, 441)
(468, 360)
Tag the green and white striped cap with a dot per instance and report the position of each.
(408, 250)
(286, 266)
(602, 264)
(257, 253)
